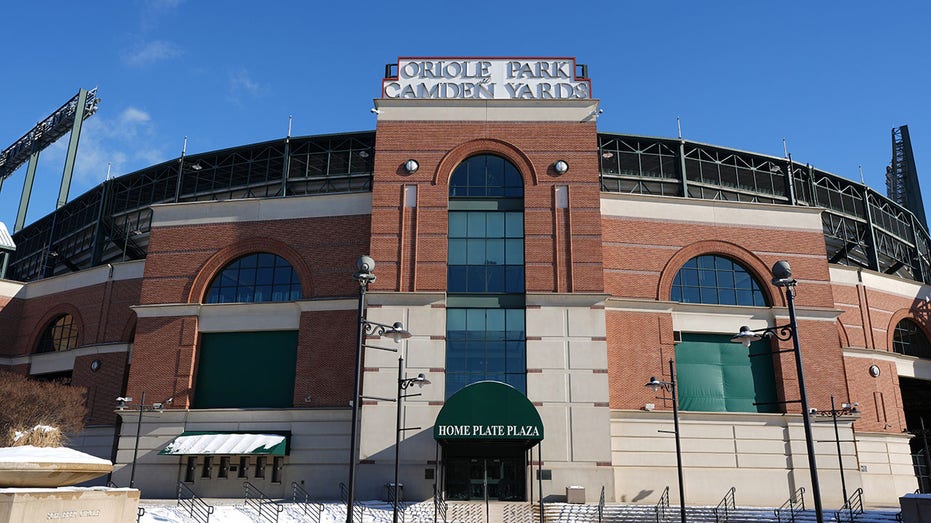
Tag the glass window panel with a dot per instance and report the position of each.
(494, 252)
(495, 225)
(514, 278)
(457, 278)
(456, 322)
(496, 279)
(514, 252)
(475, 254)
(266, 260)
(689, 277)
(706, 262)
(457, 225)
(475, 320)
(457, 252)
(708, 295)
(246, 277)
(476, 225)
(495, 320)
(691, 295)
(245, 294)
(475, 282)
(514, 226)
(722, 263)
(265, 276)
(246, 261)
(515, 323)
(727, 297)
(676, 293)
(706, 278)
(282, 275)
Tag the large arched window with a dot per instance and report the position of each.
(910, 340)
(712, 279)
(485, 334)
(255, 278)
(61, 334)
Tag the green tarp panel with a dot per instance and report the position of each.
(246, 370)
(716, 375)
(228, 443)
(489, 411)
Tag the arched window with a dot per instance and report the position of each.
(485, 333)
(255, 278)
(60, 335)
(712, 279)
(910, 340)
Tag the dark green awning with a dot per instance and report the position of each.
(488, 411)
(228, 443)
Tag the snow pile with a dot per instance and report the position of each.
(30, 454)
(18, 435)
(223, 443)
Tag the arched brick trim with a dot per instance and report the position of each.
(484, 146)
(842, 336)
(898, 316)
(225, 256)
(750, 261)
(58, 310)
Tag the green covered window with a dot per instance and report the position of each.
(255, 278)
(246, 370)
(910, 340)
(716, 375)
(712, 279)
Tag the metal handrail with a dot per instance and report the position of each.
(139, 513)
(357, 510)
(196, 507)
(601, 505)
(725, 506)
(301, 497)
(265, 506)
(440, 506)
(795, 504)
(852, 508)
(662, 506)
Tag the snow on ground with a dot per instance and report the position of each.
(28, 453)
(168, 511)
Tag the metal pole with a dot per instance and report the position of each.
(539, 475)
(397, 438)
(436, 477)
(840, 459)
(360, 338)
(132, 470)
(924, 439)
(809, 442)
(675, 421)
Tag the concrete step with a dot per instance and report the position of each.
(621, 513)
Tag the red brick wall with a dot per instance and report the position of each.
(562, 250)
(103, 386)
(181, 264)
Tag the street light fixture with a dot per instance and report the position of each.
(846, 409)
(670, 386)
(364, 275)
(782, 278)
(155, 407)
(403, 385)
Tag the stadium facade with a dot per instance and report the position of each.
(546, 271)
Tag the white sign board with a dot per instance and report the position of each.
(487, 79)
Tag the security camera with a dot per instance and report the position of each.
(374, 111)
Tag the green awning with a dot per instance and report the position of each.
(228, 443)
(488, 411)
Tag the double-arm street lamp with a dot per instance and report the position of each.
(670, 386)
(142, 407)
(782, 278)
(403, 384)
(364, 275)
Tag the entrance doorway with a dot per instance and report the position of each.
(916, 403)
(474, 472)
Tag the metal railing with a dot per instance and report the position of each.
(139, 513)
(301, 498)
(358, 511)
(662, 506)
(725, 507)
(852, 508)
(794, 505)
(196, 507)
(266, 508)
(601, 505)
(440, 507)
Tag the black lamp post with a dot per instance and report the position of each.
(671, 387)
(845, 410)
(403, 385)
(365, 276)
(782, 278)
(121, 405)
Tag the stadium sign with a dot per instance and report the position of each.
(487, 79)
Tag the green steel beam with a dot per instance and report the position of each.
(72, 149)
(27, 191)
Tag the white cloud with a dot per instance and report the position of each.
(241, 84)
(151, 52)
(126, 141)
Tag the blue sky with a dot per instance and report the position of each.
(832, 78)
